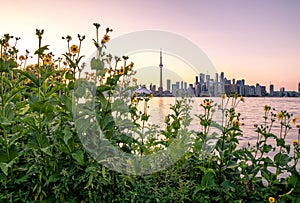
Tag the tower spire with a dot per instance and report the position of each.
(160, 66)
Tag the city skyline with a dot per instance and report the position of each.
(206, 85)
(246, 39)
(223, 86)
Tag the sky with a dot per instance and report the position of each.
(257, 40)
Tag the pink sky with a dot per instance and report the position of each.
(255, 40)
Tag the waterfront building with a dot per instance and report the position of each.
(263, 91)
(175, 88)
(246, 90)
(202, 76)
(169, 85)
(196, 80)
(271, 90)
(191, 90)
(197, 90)
(258, 90)
(252, 90)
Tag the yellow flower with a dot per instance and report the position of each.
(135, 100)
(294, 120)
(6, 44)
(280, 115)
(22, 58)
(55, 66)
(74, 49)
(47, 60)
(267, 108)
(108, 71)
(271, 199)
(105, 38)
(224, 96)
(150, 95)
(295, 142)
(122, 71)
(207, 104)
(131, 66)
(236, 122)
(242, 99)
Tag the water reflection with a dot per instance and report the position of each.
(252, 112)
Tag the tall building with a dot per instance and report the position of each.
(196, 80)
(258, 90)
(160, 89)
(202, 76)
(169, 85)
(185, 85)
(222, 82)
(175, 89)
(299, 87)
(271, 89)
(217, 78)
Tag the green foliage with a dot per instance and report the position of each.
(42, 158)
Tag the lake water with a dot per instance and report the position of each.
(252, 112)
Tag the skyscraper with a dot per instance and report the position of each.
(202, 76)
(160, 89)
(271, 89)
(169, 85)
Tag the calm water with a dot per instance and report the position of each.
(252, 112)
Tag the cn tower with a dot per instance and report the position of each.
(160, 89)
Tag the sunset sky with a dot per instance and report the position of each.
(257, 40)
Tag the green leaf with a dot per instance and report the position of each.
(47, 150)
(282, 159)
(69, 75)
(79, 157)
(30, 75)
(208, 180)
(97, 64)
(4, 168)
(5, 122)
(227, 184)
(7, 65)
(41, 50)
(280, 142)
(43, 106)
(67, 135)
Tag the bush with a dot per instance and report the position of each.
(43, 158)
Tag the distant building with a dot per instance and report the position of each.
(282, 92)
(258, 90)
(169, 85)
(196, 82)
(263, 91)
(197, 90)
(252, 91)
(246, 90)
(175, 88)
(185, 85)
(191, 90)
(299, 87)
(271, 90)
(202, 76)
